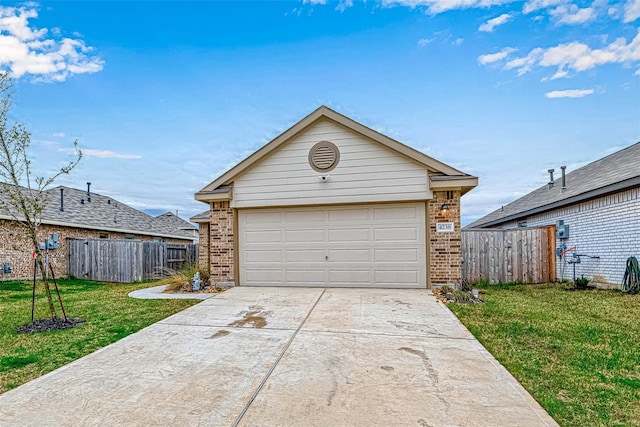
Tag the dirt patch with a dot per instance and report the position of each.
(44, 325)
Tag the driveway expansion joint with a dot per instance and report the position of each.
(275, 364)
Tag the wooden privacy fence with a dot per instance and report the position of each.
(524, 255)
(126, 261)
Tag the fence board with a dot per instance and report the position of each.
(126, 261)
(525, 255)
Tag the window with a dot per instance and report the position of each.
(128, 236)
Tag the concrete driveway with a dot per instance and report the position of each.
(286, 357)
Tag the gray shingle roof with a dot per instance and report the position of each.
(611, 173)
(107, 214)
(201, 217)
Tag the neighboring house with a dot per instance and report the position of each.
(331, 202)
(170, 221)
(72, 213)
(600, 205)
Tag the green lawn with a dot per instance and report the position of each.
(110, 314)
(576, 352)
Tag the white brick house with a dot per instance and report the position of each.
(600, 203)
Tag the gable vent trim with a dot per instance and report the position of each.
(324, 156)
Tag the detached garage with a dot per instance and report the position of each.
(333, 203)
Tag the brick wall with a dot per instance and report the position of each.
(204, 256)
(221, 243)
(16, 249)
(445, 249)
(608, 227)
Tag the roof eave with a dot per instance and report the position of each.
(464, 184)
(106, 229)
(208, 196)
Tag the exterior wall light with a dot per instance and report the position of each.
(444, 208)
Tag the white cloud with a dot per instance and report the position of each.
(458, 41)
(424, 42)
(495, 57)
(631, 10)
(344, 5)
(637, 73)
(26, 50)
(572, 14)
(491, 24)
(578, 56)
(438, 6)
(59, 134)
(108, 154)
(314, 1)
(534, 5)
(571, 93)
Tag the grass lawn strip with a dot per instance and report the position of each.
(110, 315)
(576, 352)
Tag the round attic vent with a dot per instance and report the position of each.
(324, 156)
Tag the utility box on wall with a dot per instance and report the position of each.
(562, 229)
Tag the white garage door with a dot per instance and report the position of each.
(343, 246)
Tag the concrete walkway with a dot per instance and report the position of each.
(276, 356)
(155, 292)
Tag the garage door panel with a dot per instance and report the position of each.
(349, 235)
(308, 217)
(262, 217)
(349, 255)
(353, 277)
(306, 236)
(390, 277)
(268, 236)
(261, 256)
(305, 276)
(305, 255)
(349, 216)
(395, 255)
(342, 246)
(264, 275)
(407, 234)
(396, 214)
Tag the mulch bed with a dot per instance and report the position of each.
(186, 289)
(44, 325)
(448, 295)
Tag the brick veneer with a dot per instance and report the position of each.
(222, 268)
(204, 255)
(16, 249)
(445, 249)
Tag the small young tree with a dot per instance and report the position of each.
(24, 195)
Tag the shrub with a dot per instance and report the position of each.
(462, 297)
(581, 282)
(181, 279)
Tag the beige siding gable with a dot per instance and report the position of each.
(367, 172)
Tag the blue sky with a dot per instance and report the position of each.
(164, 96)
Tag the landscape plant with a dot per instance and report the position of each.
(24, 194)
(180, 280)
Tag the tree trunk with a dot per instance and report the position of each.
(47, 288)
